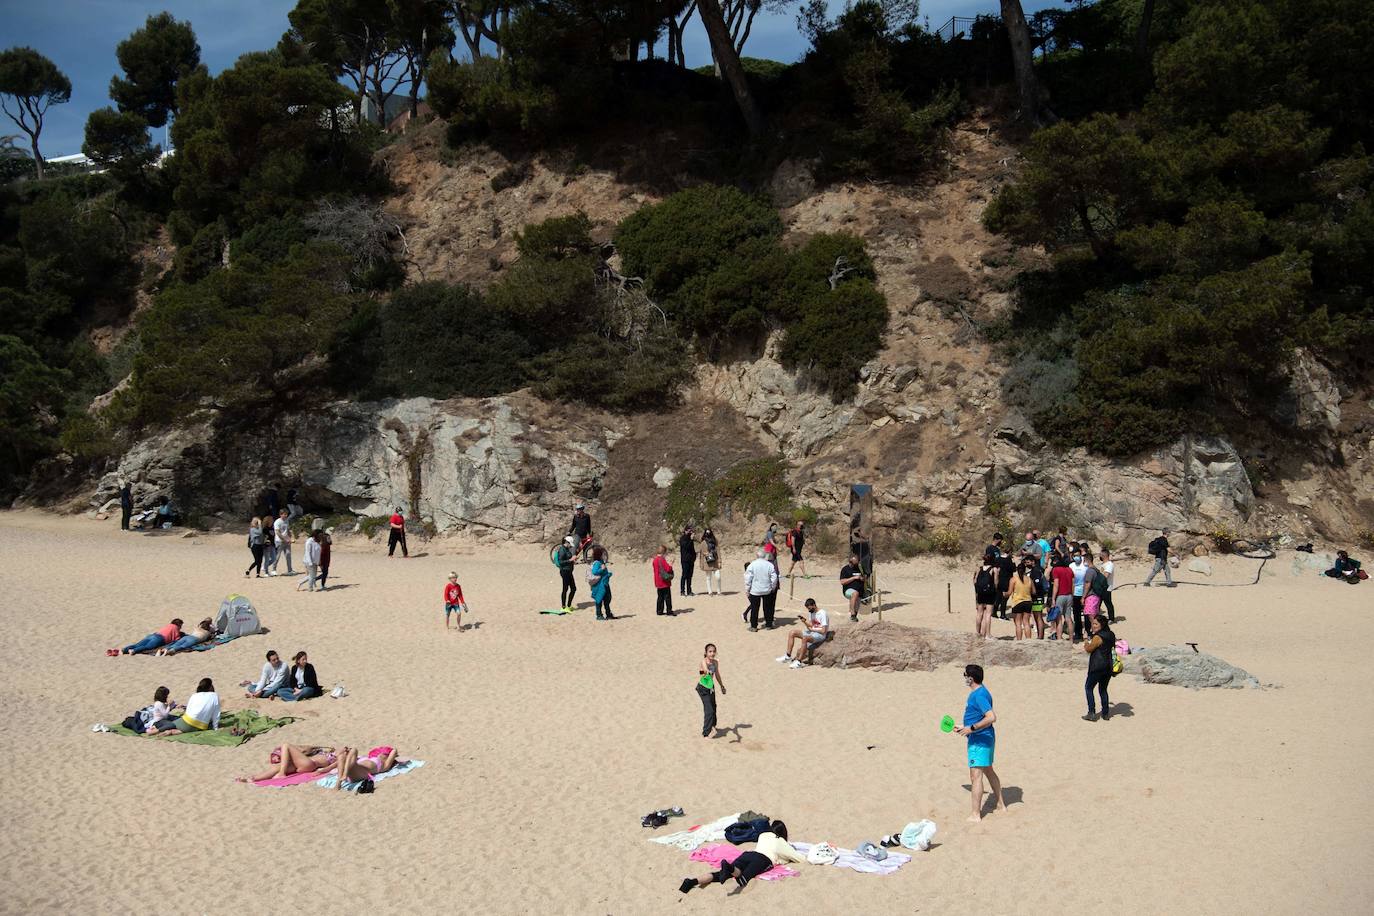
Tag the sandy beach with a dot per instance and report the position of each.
(546, 738)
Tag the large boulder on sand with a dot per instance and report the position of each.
(893, 647)
(1183, 667)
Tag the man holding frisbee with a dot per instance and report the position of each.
(982, 739)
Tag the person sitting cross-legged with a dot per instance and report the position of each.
(814, 630)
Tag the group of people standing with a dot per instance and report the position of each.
(1047, 581)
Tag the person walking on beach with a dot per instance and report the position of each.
(581, 528)
(760, 584)
(711, 561)
(326, 542)
(281, 538)
(982, 741)
(1159, 549)
(453, 601)
(599, 576)
(984, 596)
(796, 540)
(687, 556)
(255, 547)
(1099, 649)
(708, 677)
(566, 558)
(312, 562)
(663, 582)
(126, 504)
(397, 535)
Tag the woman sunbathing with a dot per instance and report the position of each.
(377, 762)
(203, 631)
(290, 759)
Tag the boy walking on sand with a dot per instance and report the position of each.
(453, 601)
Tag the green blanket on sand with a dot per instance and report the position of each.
(249, 722)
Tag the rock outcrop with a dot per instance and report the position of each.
(893, 647)
(508, 466)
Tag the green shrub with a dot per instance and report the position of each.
(614, 374)
(369, 525)
(753, 487)
(839, 331)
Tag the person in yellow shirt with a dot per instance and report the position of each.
(1020, 598)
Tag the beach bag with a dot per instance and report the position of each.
(746, 831)
(822, 854)
(1117, 664)
(592, 578)
(138, 722)
(918, 835)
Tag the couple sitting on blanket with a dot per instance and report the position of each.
(772, 849)
(277, 681)
(290, 759)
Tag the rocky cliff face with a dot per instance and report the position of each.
(504, 467)
(928, 427)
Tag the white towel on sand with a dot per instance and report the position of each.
(851, 859)
(691, 840)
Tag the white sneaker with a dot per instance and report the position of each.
(783, 658)
(797, 664)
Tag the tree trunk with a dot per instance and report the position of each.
(1142, 32)
(1027, 89)
(723, 49)
(37, 156)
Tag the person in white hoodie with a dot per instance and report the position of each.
(761, 584)
(202, 713)
(312, 561)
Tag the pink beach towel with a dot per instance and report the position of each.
(295, 779)
(713, 854)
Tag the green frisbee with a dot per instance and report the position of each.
(947, 724)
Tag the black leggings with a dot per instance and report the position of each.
(708, 709)
(324, 576)
(749, 865)
(1111, 611)
(664, 604)
(684, 585)
(397, 536)
(604, 603)
(1100, 680)
(257, 560)
(1077, 618)
(569, 589)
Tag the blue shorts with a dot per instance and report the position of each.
(451, 608)
(980, 755)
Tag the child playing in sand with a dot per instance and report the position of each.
(453, 601)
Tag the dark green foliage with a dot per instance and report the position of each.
(690, 235)
(118, 141)
(262, 139)
(711, 257)
(439, 340)
(614, 374)
(268, 241)
(31, 394)
(755, 486)
(1200, 241)
(154, 60)
(238, 338)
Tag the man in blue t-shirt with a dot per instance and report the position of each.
(982, 740)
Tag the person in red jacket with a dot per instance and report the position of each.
(453, 601)
(663, 582)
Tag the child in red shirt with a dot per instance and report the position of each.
(453, 601)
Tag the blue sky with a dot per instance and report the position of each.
(80, 37)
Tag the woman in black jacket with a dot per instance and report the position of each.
(687, 553)
(301, 683)
(1099, 649)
